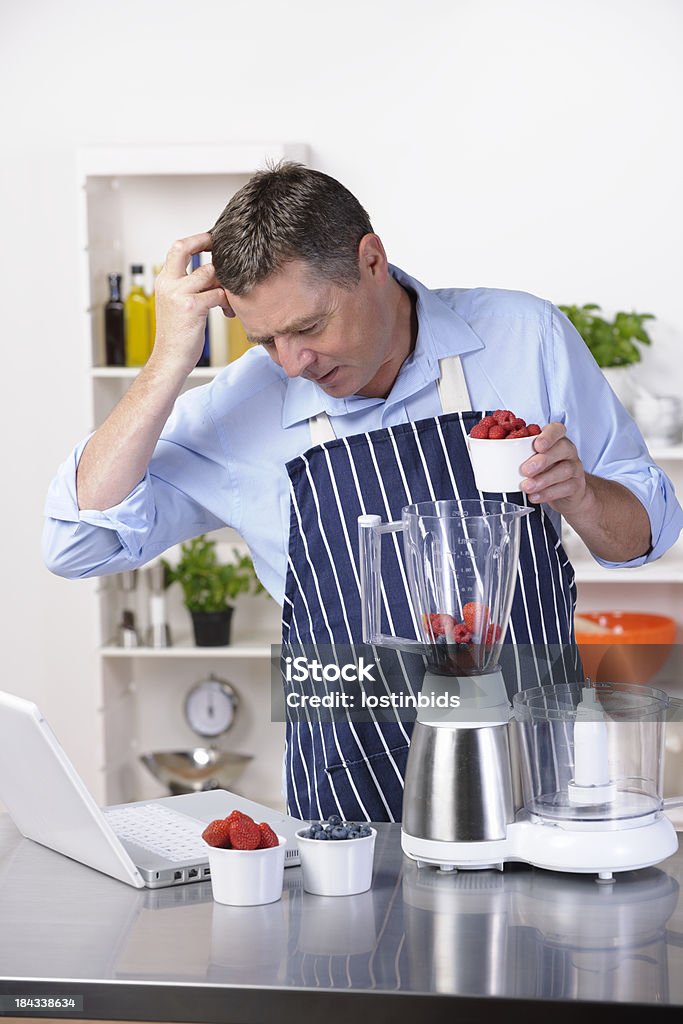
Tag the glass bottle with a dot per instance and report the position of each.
(205, 357)
(114, 325)
(239, 342)
(137, 319)
(152, 307)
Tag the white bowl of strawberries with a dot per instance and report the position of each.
(247, 860)
(496, 466)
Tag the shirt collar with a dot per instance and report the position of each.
(441, 332)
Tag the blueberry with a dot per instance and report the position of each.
(334, 819)
(321, 835)
(316, 827)
(365, 831)
(340, 833)
(351, 825)
(353, 833)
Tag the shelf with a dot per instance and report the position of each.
(673, 453)
(669, 570)
(129, 372)
(259, 647)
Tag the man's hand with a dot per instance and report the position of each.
(608, 517)
(183, 302)
(555, 475)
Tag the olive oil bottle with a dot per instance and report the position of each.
(153, 308)
(138, 341)
(239, 342)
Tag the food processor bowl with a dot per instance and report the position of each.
(592, 754)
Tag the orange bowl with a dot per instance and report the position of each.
(624, 647)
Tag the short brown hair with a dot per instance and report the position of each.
(284, 213)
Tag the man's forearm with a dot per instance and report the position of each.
(117, 455)
(611, 521)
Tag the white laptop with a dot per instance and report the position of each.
(149, 843)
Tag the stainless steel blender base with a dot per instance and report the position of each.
(458, 784)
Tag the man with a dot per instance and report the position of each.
(357, 398)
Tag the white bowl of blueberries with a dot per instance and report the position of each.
(336, 856)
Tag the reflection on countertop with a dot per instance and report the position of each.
(523, 933)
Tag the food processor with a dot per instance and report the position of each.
(568, 777)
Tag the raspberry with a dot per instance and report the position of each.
(522, 432)
(504, 418)
(438, 624)
(245, 834)
(533, 429)
(217, 833)
(487, 421)
(268, 837)
(497, 433)
(479, 430)
(476, 616)
(493, 634)
(518, 423)
(462, 634)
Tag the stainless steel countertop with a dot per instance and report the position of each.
(429, 943)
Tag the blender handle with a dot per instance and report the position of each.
(370, 530)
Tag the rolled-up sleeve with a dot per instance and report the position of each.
(606, 437)
(185, 491)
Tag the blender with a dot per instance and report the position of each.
(571, 779)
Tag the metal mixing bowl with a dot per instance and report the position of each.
(190, 771)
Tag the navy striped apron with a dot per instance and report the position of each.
(356, 768)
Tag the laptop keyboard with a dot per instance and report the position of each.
(159, 830)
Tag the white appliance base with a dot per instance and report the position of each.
(554, 847)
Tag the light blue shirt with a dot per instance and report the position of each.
(221, 457)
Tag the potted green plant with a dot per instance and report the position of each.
(613, 343)
(210, 588)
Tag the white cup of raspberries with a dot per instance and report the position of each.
(496, 466)
(336, 857)
(247, 860)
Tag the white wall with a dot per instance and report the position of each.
(524, 145)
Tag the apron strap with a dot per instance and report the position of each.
(453, 395)
(321, 429)
(452, 386)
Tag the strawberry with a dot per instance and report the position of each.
(245, 834)
(217, 833)
(235, 816)
(497, 433)
(522, 432)
(480, 430)
(438, 624)
(268, 837)
(476, 616)
(493, 634)
(533, 429)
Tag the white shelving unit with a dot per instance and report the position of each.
(134, 201)
(624, 588)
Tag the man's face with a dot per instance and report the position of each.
(344, 340)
